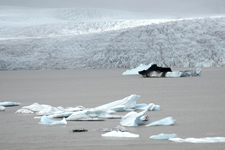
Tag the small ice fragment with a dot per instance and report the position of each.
(120, 134)
(163, 122)
(2, 108)
(163, 136)
(47, 121)
(9, 104)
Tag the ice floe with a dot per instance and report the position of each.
(118, 128)
(24, 111)
(47, 121)
(120, 134)
(133, 118)
(163, 122)
(126, 104)
(135, 71)
(199, 140)
(2, 108)
(152, 70)
(9, 104)
(152, 107)
(163, 136)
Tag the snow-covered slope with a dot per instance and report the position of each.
(67, 38)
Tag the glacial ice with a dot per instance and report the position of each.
(152, 107)
(120, 134)
(9, 104)
(126, 104)
(2, 108)
(133, 118)
(24, 111)
(173, 74)
(163, 122)
(134, 71)
(81, 115)
(118, 128)
(163, 136)
(47, 121)
(199, 140)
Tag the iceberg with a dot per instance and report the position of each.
(155, 71)
(163, 136)
(24, 111)
(81, 115)
(199, 140)
(163, 122)
(2, 108)
(133, 118)
(47, 121)
(135, 71)
(153, 107)
(118, 128)
(9, 104)
(120, 134)
(126, 104)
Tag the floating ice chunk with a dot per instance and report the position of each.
(24, 111)
(163, 122)
(35, 107)
(191, 73)
(61, 115)
(118, 128)
(173, 74)
(199, 140)
(9, 104)
(163, 136)
(126, 104)
(2, 108)
(72, 109)
(120, 134)
(153, 107)
(47, 121)
(101, 113)
(48, 110)
(135, 70)
(133, 118)
(145, 118)
(81, 115)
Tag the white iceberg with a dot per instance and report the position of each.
(120, 134)
(199, 140)
(152, 107)
(163, 136)
(163, 122)
(24, 111)
(9, 104)
(126, 104)
(2, 108)
(133, 118)
(47, 121)
(118, 128)
(81, 115)
(134, 71)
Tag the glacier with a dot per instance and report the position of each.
(71, 38)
